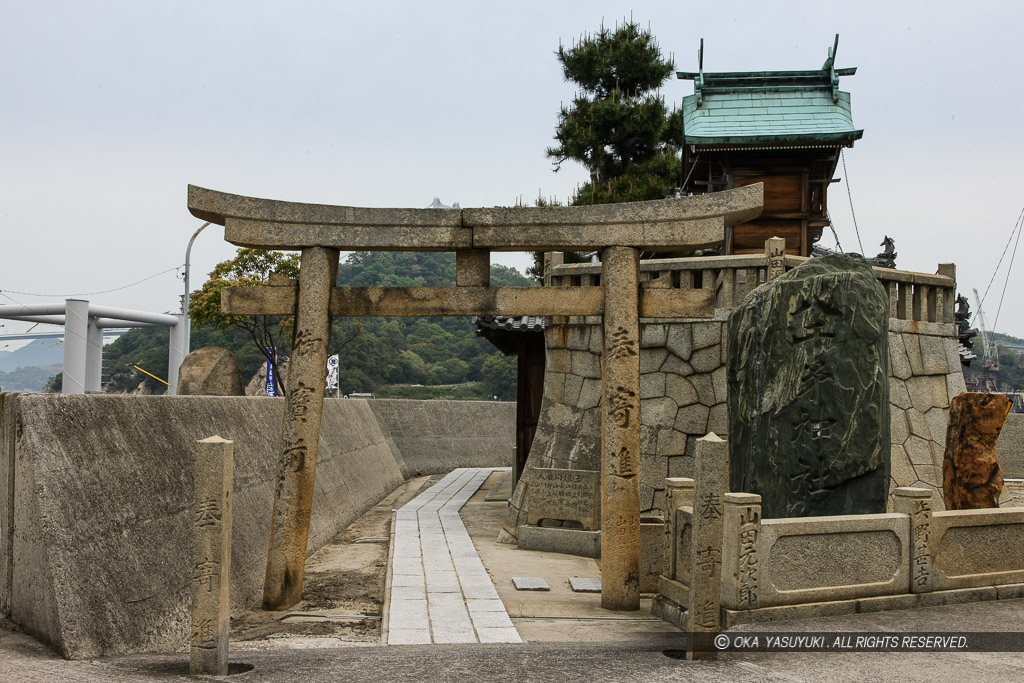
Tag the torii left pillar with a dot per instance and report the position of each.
(304, 402)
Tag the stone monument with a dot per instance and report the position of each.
(809, 391)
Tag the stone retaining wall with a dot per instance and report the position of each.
(924, 375)
(96, 529)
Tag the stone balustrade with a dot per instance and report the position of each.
(818, 566)
(917, 297)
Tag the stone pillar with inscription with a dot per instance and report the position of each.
(678, 491)
(775, 257)
(916, 503)
(296, 475)
(211, 557)
(740, 570)
(620, 431)
(706, 550)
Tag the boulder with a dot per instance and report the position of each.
(210, 372)
(809, 391)
(971, 475)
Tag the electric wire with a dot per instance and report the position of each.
(1009, 269)
(835, 235)
(1016, 227)
(846, 176)
(106, 291)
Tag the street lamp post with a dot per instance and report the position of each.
(188, 291)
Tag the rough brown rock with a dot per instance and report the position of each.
(971, 475)
(210, 372)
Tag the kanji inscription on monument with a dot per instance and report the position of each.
(565, 495)
(808, 381)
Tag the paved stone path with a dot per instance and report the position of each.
(440, 590)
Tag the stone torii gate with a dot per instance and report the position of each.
(619, 231)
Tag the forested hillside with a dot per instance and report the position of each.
(384, 352)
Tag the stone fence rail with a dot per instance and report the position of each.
(815, 566)
(919, 297)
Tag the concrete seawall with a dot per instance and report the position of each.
(96, 526)
(1010, 446)
(435, 437)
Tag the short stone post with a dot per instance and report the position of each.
(916, 503)
(706, 551)
(296, 474)
(620, 431)
(775, 257)
(211, 559)
(678, 491)
(742, 530)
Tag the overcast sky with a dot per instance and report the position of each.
(110, 109)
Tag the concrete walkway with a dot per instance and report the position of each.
(440, 591)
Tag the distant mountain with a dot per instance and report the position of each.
(28, 378)
(41, 353)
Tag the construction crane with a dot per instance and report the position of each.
(989, 353)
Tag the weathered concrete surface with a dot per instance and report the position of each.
(809, 415)
(435, 437)
(557, 540)
(212, 371)
(102, 511)
(1010, 447)
(971, 475)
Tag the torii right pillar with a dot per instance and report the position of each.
(620, 431)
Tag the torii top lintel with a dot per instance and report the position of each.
(669, 224)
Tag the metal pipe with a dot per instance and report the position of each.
(108, 323)
(184, 301)
(32, 309)
(47, 319)
(164, 319)
(50, 313)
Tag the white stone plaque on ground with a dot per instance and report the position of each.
(530, 583)
(582, 585)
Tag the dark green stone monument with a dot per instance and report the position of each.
(808, 372)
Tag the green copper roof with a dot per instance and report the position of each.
(765, 107)
(766, 117)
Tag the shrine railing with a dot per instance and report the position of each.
(919, 297)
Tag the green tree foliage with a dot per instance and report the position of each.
(414, 351)
(385, 352)
(249, 267)
(500, 376)
(618, 126)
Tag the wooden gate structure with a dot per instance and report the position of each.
(618, 231)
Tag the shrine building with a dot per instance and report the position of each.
(785, 129)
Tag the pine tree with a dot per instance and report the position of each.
(618, 126)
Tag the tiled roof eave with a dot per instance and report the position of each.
(783, 140)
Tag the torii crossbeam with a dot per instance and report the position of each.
(619, 231)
